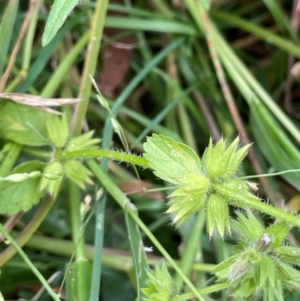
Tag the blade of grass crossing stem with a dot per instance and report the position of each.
(272, 129)
(10, 159)
(79, 269)
(79, 274)
(280, 17)
(152, 81)
(137, 250)
(270, 123)
(192, 246)
(29, 263)
(39, 65)
(27, 46)
(274, 144)
(145, 121)
(107, 137)
(165, 25)
(224, 50)
(122, 200)
(258, 31)
(276, 147)
(272, 140)
(60, 72)
(141, 75)
(133, 11)
(159, 117)
(6, 30)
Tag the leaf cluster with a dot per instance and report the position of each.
(263, 264)
(44, 130)
(197, 180)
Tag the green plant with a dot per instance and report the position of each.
(46, 159)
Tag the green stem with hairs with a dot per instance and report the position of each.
(253, 202)
(103, 153)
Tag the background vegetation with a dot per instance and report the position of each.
(166, 67)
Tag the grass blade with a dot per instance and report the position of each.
(6, 30)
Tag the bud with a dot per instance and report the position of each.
(263, 243)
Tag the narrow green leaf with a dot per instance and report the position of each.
(58, 14)
(6, 30)
(40, 63)
(79, 269)
(138, 252)
(159, 25)
(274, 143)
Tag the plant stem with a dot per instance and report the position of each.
(92, 54)
(104, 153)
(10, 159)
(97, 25)
(76, 221)
(29, 263)
(60, 72)
(115, 259)
(254, 202)
(122, 200)
(107, 137)
(28, 231)
(204, 291)
(191, 247)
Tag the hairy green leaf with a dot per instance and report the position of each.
(171, 160)
(58, 14)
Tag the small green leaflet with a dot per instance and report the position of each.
(17, 196)
(58, 15)
(171, 161)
